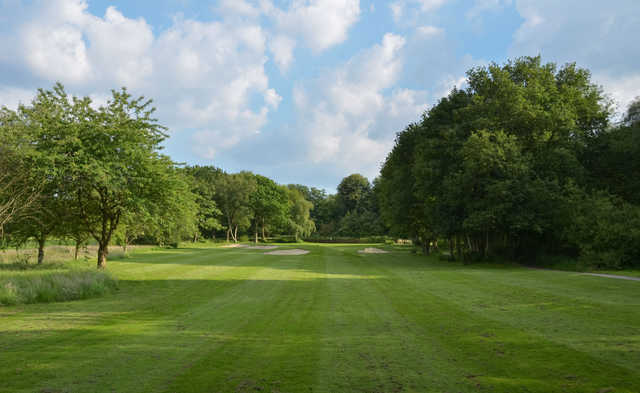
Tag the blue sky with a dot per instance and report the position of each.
(302, 91)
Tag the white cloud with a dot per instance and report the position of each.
(272, 98)
(349, 119)
(205, 76)
(52, 44)
(397, 9)
(414, 9)
(120, 48)
(238, 8)
(623, 90)
(11, 97)
(321, 23)
(430, 5)
(429, 31)
(601, 36)
(282, 47)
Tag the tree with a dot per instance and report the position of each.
(269, 205)
(489, 167)
(233, 199)
(352, 191)
(299, 214)
(43, 127)
(204, 185)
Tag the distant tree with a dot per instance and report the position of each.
(352, 191)
(204, 185)
(299, 214)
(269, 205)
(233, 200)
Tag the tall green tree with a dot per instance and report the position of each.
(269, 205)
(233, 199)
(300, 221)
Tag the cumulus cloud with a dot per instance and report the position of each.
(414, 8)
(600, 36)
(11, 97)
(349, 120)
(282, 47)
(321, 23)
(205, 76)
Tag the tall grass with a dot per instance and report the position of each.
(53, 283)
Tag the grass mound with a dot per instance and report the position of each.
(42, 286)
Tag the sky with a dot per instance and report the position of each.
(302, 91)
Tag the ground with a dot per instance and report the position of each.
(334, 320)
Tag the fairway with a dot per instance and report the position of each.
(334, 320)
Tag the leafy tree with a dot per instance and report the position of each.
(352, 191)
(299, 214)
(204, 185)
(269, 205)
(233, 200)
(488, 167)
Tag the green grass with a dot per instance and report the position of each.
(235, 320)
(23, 283)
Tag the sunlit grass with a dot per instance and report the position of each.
(233, 320)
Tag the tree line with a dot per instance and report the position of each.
(71, 170)
(526, 162)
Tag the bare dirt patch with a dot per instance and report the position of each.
(261, 247)
(234, 246)
(373, 250)
(293, 251)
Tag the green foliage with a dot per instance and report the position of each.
(204, 182)
(233, 199)
(495, 169)
(96, 167)
(300, 221)
(269, 205)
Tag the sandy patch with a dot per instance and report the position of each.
(233, 245)
(373, 250)
(261, 247)
(294, 251)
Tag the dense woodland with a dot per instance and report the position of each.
(525, 163)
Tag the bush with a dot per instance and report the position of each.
(607, 232)
(57, 286)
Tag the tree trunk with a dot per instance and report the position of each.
(77, 250)
(256, 233)
(235, 234)
(41, 242)
(264, 238)
(103, 251)
(228, 231)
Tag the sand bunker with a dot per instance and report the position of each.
(294, 251)
(261, 247)
(233, 245)
(373, 250)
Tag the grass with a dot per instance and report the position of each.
(22, 283)
(235, 320)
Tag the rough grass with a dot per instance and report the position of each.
(24, 284)
(235, 320)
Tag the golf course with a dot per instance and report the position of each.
(213, 319)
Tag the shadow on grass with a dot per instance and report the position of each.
(250, 335)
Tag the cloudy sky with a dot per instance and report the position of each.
(303, 91)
